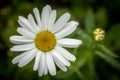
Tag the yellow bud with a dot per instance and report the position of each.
(99, 34)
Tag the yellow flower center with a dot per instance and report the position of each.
(45, 41)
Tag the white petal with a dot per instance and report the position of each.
(45, 67)
(65, 53)
(69, 28)
(23, 47)
(37, 60)
(49, 7)
(59, 64)
(25, 24)
(20, 40)
(70, 43)
(17, 58)
(45, 16)
(50, 64)
(42, 65)
(60, 58)
(26, 59)
(60, 23)
(33, 24)
(25, 33)
(37, 16)
(52, 20)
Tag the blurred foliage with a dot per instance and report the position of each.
(95, 60)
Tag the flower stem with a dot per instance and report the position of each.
(79, 74)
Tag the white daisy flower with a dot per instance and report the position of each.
(44, 40)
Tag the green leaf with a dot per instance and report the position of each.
(9, 31)
(107, 51)
(101, 17)
(85, 37)
(79, 11)
(113, 38)
(89, 21)
(81, 59)
(79, 74)
(109, 59)
(62, 75)
(91, 67)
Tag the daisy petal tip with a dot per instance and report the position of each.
(76, 23)
(80, 42)
(20, 17)
(13, 61)
(67, 14)
(10, 38)
(48, 6)
(65, 69)
(35, 8)
(34, 69)
(30, 15)
(19, 65)
(74, 59)
(68, 64)
(53, 74)
(40, 75)
(11, 49)
(18, 29)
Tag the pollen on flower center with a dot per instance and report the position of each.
(45, 41)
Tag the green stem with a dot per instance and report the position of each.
(79, 74)
(91, 68)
